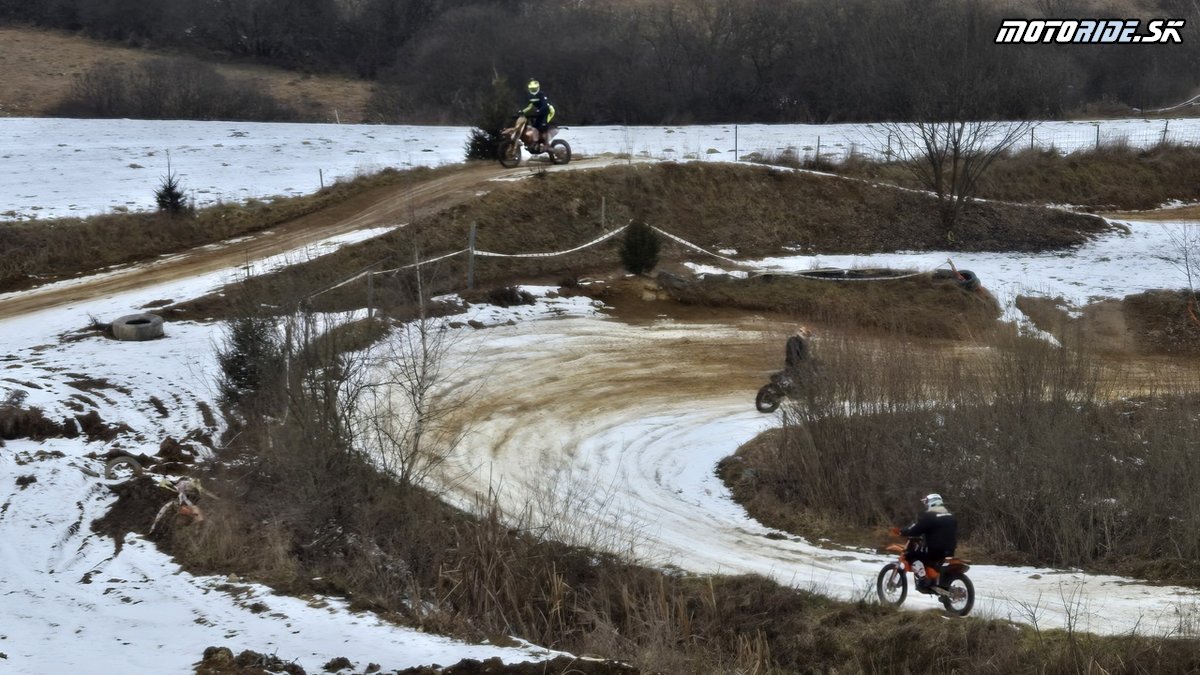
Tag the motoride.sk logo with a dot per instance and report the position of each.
(1088, 31)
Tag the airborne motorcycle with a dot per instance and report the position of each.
(522, 135)
(953, 588)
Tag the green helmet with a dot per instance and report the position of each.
(534, 86)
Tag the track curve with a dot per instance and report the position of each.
(607, 435)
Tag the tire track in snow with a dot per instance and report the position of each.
(607, 435)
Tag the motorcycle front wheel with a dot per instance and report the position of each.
(961, 596)
(560, 152)
(768, 398)
(891, 585)
(509, 153)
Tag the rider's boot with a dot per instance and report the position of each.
(922, 582)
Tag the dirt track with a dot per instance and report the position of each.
(379, 207)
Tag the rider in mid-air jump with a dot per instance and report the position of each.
(539, 111)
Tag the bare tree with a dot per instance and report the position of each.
(405, 411)
(949, 157)
(1185, 257)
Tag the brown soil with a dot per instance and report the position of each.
(37, 67)
(1174, 213)
(381, 206)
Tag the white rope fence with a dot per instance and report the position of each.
(552, 254)
(810, 274)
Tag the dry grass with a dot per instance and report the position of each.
(1113, 177)
(866, 440)
(37, 68)
(914, 306)
(46, 250)
(305, 513)
(757, 211)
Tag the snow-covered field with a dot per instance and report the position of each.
(70, 602)
(62, 167)
(640, 475)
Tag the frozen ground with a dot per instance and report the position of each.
(61, 167)
(69, 602)
(627, 464)
(1110, 266)
(632, 445)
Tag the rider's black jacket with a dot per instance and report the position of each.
(939, 528)
(538, 109)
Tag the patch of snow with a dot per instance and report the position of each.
(71, 167)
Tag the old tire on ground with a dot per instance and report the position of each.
(768, 398)
(969, 281)
(122, 467)
(966, 279)
(137, 327)
(560, 152)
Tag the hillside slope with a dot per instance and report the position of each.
(38, 66)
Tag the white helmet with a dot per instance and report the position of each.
(931, 500)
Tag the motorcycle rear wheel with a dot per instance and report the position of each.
(560, 152)
(962, 596)
(509, 153)
(768, 398)
(891, 585)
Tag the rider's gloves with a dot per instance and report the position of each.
(894, 531)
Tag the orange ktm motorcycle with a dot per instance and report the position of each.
(522, 135)
(950, 582)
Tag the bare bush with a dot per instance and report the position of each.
(175, 88)
(950, 157)
(1032, 445)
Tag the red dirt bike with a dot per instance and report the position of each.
(522, 135)
(951, 584)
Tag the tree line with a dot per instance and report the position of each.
(680, 61)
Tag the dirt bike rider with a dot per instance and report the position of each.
(539, 112)
(796, 358)
(940, 530)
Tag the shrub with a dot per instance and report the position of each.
(168, 89)
(639, 250)
(169, 196)
(252, 355)
(490, 122)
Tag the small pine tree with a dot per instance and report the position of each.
(639, 249)
(492, 119)
(169, 195)
(251, 358)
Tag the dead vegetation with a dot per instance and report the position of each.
(305, 507)
(42, 251)
(1044, 452)
(757, 211)
(914, 306)
(1114, 176)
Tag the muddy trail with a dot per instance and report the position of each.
(392, 205)
(607, 434)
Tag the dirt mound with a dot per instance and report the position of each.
(1151, 323)
(916, 305)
